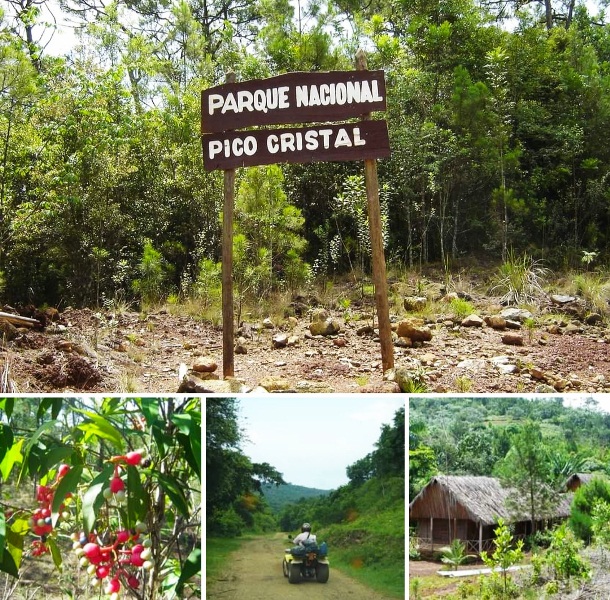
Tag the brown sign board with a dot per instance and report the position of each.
(350, 141)
(292, 98)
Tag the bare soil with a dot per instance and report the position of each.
(117, 353)
(255, 573)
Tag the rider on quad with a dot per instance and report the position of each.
(304, 536)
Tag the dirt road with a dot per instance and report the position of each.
(255, 573)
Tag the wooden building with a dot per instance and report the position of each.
(468, 508)
(578, 479)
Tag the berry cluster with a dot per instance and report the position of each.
(115, 562)
(41, 522)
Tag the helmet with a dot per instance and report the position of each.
(306, 527)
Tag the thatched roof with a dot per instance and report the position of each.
(479, 499)
(578, 479)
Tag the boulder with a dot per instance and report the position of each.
(414, 303)
(516, 314)
(496, 322)
(327, 327)
(205, 364)
(472, 321)
(512, 339)
(415, 330)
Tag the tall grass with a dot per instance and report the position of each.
(594, 288)
(519, 279)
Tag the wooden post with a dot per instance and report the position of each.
(379, 268)
(228, 325)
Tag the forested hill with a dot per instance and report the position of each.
(279, 496)
(473, 436)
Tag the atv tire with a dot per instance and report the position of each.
(322, 573)
(294, 573)
(285, 568)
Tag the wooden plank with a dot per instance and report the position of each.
(292, 98)
(379, 267)
(228, 326)
(349, 141)
(18, 319)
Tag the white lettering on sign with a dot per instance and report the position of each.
(325, 94)
(358, 92)
(236, 147)
(244, 100)
(313, 139)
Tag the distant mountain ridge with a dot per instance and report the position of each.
(280, 496)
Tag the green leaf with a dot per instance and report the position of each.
(184, 422)
(93, 498)
(7, 405)
(193, 459)
(137, 500)
(173, 489)
(2, 529)
(6, 439)
(101, 428)
(150, 410)
(68, 484)
(8, 565)
(13, 456)
(56, 408)
(55, 552)
(191, 567)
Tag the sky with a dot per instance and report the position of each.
(312, 439)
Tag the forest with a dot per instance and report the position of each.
(498, 117)
(533, 447)
(362, 521)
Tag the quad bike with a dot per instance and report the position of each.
(307, 562)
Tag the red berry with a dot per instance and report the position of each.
(133, 582)
(137, 549)
(92, 551)
(63, 469)
(114, 585)
(116, 485)
(122, 536)
(133, 458)
(102, 571)
(136, 560)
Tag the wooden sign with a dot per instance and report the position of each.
(353, 141)
(292, 98)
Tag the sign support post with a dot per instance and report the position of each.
(228, 325)
(379, 267)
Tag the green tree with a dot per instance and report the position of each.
(526, 469)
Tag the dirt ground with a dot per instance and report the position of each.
(121, 353)
(255, 573)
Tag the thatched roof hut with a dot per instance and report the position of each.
(468, 508)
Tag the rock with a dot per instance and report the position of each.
(340, 342)
(326, 327)
(192, 384)
(512, 324)
(293, 340)
(268, 323)
(544, 389)
(572, 328)
(516, 314)
(319, 314)
(273, 383)
(280, 340)
(204, 364)
(365, 330)
(406, 379)
(472, 364)
(415, 330)
(314, 387)
(472, 321)
(450, 297)
(404, 342)
(554, 329)
(496, 322)
(512, 339)
(292, 322)
(593, 319)
(561, 299)
(538, 374)
(385, 387)
(427, 359)
(8, 331)
(414, 303)
(240, 346)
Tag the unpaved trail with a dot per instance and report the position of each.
(255, 573)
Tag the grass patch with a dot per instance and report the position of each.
(217, 551)
(385, 579)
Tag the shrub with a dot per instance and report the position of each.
(519, 279)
